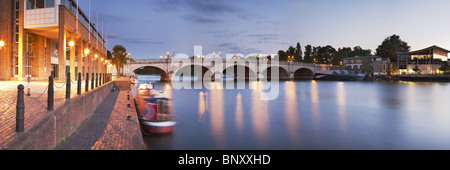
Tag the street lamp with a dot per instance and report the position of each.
(71, 43)
(86, 52)
(95, 56)
(2, 44)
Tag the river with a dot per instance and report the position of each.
(309, 115)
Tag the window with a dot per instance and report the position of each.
(36, 4)
(31, 4)
(49, 3)
(40, 4)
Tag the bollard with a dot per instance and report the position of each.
(68, 86)
(92, 83)
(87, 82)
(96, 79)
(20, 110)
(100, 80)
(79, 84)
(50, 94)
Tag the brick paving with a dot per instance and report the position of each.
(108, 128)
(35, 109)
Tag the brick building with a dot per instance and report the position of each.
(48, 37)
(379, 65)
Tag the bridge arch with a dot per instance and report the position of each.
(143, 70)
(304, 74)
(193, 69)
(282, 73)
(240, 72)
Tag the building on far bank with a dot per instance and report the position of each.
(48, 37)
(378, 65)
(428, 60)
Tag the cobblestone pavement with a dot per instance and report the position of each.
(108, 128)
(35, 105)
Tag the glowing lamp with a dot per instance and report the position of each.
(95, 56)
(2, 43)
(71, 43)
(86, 51)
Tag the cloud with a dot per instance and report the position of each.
(201, 19)
(141, 41)
(217, 6)
(113, 36)
(230, 48)
(222, 33)
(264, 37)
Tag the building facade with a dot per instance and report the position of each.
(48, 37)
(425, 61)
(378, 65)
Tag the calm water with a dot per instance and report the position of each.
(310, 115)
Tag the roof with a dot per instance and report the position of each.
(425, 50)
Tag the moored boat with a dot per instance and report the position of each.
(154, 110)
(134, 80)
(332, 75)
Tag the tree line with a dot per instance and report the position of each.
(330, 55)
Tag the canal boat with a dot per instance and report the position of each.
(332, 75)
(154, 111)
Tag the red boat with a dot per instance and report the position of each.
(154, 110)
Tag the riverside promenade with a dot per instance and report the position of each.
(109, 127)
(44, 130)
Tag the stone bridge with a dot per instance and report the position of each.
(254, 69)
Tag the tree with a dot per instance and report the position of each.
(417, 69)
(341, 54)
(120, 57)
(282, 56)
(444, 67)
(366, 67)
(308, 54)
(390, 46)
(326, 54)
(298, 53)
(358, 51)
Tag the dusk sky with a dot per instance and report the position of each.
(150, 28)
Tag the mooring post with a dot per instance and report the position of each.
(96, 79)
(50, 94)
(68, 86)
(100, 80)
(87, 82)
(92, 83)
(79, 84)
(20, 109)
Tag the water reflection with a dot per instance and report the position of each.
(342, 102)
(201, 105)
(260, 117)
(291, 111)
(239, 114)
(217, 115)
(312, 115)
(315, 105)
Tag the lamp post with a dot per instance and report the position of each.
(2, 44)
(291, 59)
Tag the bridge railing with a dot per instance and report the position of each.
(158, 61)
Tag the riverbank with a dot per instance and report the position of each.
(108, 128)
(45, 129)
